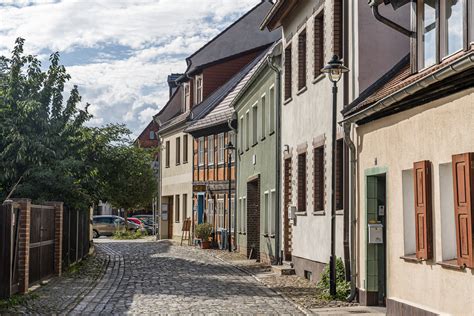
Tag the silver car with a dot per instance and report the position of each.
(107, 225)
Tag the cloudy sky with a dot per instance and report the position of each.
(119, 52)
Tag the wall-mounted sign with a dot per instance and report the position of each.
(199, 188)
(164, 212)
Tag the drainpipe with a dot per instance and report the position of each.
(389, 23)
(353, 220)
(277, 70)
(237, 156)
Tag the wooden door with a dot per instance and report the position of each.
(170, 218)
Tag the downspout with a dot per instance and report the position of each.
(353, 220)
(271, 63)
(390, 23)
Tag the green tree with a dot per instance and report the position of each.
(46, 150)
(129, 180)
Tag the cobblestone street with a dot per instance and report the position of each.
(145, 277)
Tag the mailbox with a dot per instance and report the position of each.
(375, 234)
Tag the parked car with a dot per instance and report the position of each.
(135, 220)
(148, 221)
(107, 225)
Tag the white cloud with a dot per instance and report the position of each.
(121, 88)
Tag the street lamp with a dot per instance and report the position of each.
(334, 69)
(230, 147)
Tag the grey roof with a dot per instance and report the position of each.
(242, 36)
(218, 110)
(171, 109)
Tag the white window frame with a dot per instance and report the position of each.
(247, 130)
(210, 150)
(271, 105)
(187, 96)
(220, 212)
(272, 213)
(241, 132)
(266, 215)
(199, 89)
(210, 211)
(232, 137)
(220, 148)
(201, 151)
(255, 124)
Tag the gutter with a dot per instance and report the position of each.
(271, 63)
(460, 65)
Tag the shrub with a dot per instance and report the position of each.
(203, 231)
(123, 234)
(343, 287)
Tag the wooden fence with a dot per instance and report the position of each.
(38, 242)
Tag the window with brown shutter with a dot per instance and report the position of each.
(288, 72)
(423, 212)
(318, 44)
(318, 156)
(178, 150)
(463, 172)
(339, 174)
(337, 39)
(185, 148)
(301, 182)
(302, 60)
(167, 158)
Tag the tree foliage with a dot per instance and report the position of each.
(45, 144)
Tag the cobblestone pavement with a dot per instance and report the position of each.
(144, 277)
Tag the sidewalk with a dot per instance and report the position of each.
(298, 290)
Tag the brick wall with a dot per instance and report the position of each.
(58, 236)
(286, 204)
(24, 244)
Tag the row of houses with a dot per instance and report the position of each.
(249, 144)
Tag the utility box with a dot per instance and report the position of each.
(375, 234)
(292, 212)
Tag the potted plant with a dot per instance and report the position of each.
(203, 232)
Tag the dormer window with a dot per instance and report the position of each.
(152, 135)
(187, 97)
(442, 29)
(198, 89)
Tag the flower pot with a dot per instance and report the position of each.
(205, 244)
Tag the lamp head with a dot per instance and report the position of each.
(334, 69)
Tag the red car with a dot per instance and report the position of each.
(135, 220)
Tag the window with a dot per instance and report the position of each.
(168, 149)
(210, 150)
(408, 213)
(187, 97)
(239, 216)
(178, 150)
(266, 214)
(454, 19)
(152, 135)
(242, 130)
(448, 222)
(272, 213)
(198, 90)
(220, 212)
(185, 206)
(244, 217)
(272, 109)
(220, 148)
(233, 140)
(211, 212)
(318, 156)
(339, 174)
(318, 44)
(449, 34)
(288, 74)
(185, 148)
(301, 182)
(177, 211)
(263, 114)
(338, 28)
(247, 130)
(255, 124)
(201, 151)
(302, 60)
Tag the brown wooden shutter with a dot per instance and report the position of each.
(463, 186)
(337, 32)
(288, 70)
(319, 178)
(302, 60)
(318, 44)
(301, 182)
(423, 219)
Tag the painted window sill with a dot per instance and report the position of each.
(411, 258)
(266, 235)
(255, 144)
(319, 213)
(340, 212)
(287, 101)
(302, 90)
(262, 139)
(451, 264)
(319, 78)
(271, 133)
(301, 213)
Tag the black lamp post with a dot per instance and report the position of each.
(230, 147)
(334, 69)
